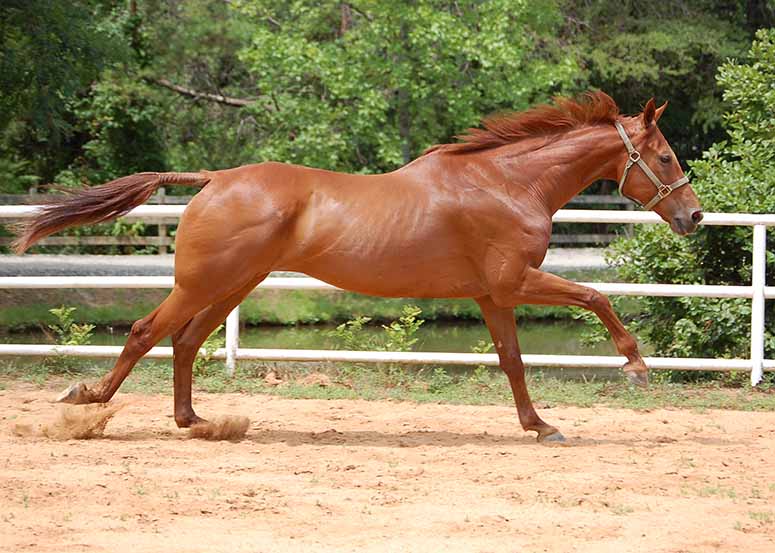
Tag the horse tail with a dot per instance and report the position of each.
(91, 205)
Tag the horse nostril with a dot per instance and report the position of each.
(697, 217)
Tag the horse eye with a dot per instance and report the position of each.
(664, 158)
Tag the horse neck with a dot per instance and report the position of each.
(557, 171)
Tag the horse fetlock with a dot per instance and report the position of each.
(629, 347)
(187, 419)
(546, 432)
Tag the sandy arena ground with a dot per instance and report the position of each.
(362, 476)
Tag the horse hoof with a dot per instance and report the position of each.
(76, 393)
(554, 437)
(640, 379)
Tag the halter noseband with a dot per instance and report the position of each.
(663, 190)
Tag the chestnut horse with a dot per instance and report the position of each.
(465, 220)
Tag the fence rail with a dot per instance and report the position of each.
(757, 292)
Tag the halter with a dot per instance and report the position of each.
(663, 190)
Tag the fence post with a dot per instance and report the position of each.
(758, 279)
(232, 340)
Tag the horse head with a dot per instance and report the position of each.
(659, 183)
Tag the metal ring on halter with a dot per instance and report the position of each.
(635, 156)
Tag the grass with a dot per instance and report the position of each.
(27, 308)
(720, 491)
(269, 307)
(621, 510)
(402, 384)
(764, 517)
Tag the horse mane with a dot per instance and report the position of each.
(564, 114)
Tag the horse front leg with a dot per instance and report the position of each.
(503, 329)
(542, 288)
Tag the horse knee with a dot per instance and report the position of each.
(597, 302)
(140, 335)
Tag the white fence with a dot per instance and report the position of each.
(757, 292)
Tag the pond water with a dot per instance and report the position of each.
(557, 337)
(534, 337)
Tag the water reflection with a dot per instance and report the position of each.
(554, 337)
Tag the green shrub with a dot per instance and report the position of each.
(352, 336)
(204, 360)
(398, 335)
(481, 375)
(67, 333)
(440, 380)
(737, 175)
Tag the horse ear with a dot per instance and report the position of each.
(660, 110)
(649, 113)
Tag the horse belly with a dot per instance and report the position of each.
(410, 273)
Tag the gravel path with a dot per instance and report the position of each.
(557, 260)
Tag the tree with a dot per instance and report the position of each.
(49, 53)
(92, 89)
(367, 86)
(671, 49)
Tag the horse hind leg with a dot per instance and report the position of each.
(168, 317)
(186, 343)
(210, 266)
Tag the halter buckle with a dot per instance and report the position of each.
(664, 191)
(635, 156)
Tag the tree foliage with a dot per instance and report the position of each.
(50, 52)
(670, 50)
(93, 89)
(369, 88)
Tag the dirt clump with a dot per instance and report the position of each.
(224, 427)
(74, 422)
(315, 379)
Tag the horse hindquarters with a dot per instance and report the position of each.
(223, 249)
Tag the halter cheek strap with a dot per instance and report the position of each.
(663, 190)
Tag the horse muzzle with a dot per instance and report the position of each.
(685, 225)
